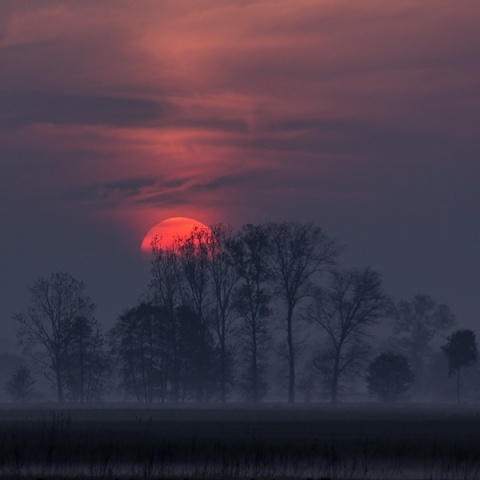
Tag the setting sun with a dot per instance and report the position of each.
(168, 230)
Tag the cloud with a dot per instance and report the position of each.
(190, 190)
(21, 108)
(207, 96)
(170, 192)
(127, 190)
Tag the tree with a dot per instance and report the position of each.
(252, 300)
(389, 376)
(55, 304)
(199, 360)
(86, 363)
(166, 289)
(20, 386)
(192, 284)
(136, 341)
(194, 261)
(418, 321)
(225, 278)
(461, 351)
(353, 301)
(297, 253)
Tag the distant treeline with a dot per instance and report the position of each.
(235, 315)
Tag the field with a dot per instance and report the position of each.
(237, 442)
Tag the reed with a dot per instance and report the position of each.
(281, 443)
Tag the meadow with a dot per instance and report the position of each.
(346, 441)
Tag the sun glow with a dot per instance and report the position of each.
(168, 231)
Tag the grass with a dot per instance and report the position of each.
(269, 442)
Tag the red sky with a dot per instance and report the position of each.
(362, 117)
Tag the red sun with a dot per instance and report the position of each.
(168, 230)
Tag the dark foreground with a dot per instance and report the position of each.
(272, 442)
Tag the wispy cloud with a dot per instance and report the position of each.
(21, 108)
(170, 104)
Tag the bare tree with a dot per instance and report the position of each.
(249, 253)
(194, 261)
(55, 303)
(353, 301)
(199, 360)
(417, 322)
(166, 289)
(191, 281)
(297, 251)
(87, 363)
(136, 341)
(166, 283)
(225, 278)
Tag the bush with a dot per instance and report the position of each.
(389, 377)
(20, 386)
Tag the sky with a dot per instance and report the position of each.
(361, 117)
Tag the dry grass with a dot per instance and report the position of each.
(271, 442)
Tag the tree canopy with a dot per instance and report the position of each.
(389, 376)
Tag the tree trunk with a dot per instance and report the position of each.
(59, 386)
(223, 371)
(458, 385)
(291, 358)
(173, 347)
(82, 373)
(336, 368)
(254, 364)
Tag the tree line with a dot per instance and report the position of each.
(221, 307)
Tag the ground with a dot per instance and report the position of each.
(269, 442)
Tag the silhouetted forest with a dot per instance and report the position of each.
(265, 312)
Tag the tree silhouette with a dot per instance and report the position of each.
(353, 301)
(194, 261)
(166, 291)
(87, 363)
(136, 341)
(461, 351)
(297, 252)
(199, 373)
(249, 253)
(418, 321)
(389, 376)
(20, 386)
(225, 278)
(55, 304)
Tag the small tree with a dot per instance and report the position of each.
(20, 386)
(416, 323)
(389, 376)
(353, 302)
(55, 303)
(461, 351)
(137, 340)
(86, 363)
